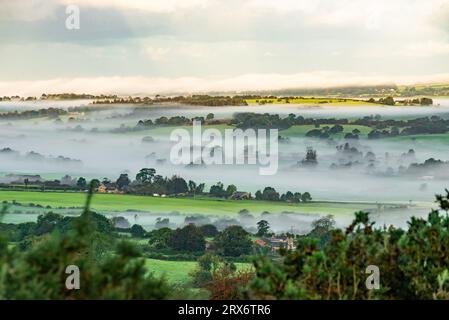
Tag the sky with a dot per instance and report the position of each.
(164, 46)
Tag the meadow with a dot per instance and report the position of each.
(203, 205)
(178, 271)
(301, 130)
(310, 100)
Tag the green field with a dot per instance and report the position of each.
(178, 271)
(432, 138)
(301, 130)
(311, 100)
(121, 203)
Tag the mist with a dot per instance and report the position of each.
(92, 149)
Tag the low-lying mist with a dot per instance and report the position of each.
(370, 172)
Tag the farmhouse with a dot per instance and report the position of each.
(102, 188)
(278, 243)
(239, 195)
(110, 188)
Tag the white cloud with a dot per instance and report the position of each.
(156, 53)
(253, 82)
(26, 10)
(425, 49)
(156, 6)
(223, 37)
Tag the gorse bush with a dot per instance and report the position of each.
(413, 264)
(39, 273)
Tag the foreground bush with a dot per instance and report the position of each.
(39, 273)
(413, 264)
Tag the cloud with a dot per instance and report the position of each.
(156, 54)
(26, 10)
(425, 49)
(154, 6)
(174, 38)
(247, 82)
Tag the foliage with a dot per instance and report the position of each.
(263, 228)
(39, 273)
(159, 238)
(208, 230)
(227, 284)
(123, 181)
(189, 238)
(219, 277)
(137, 231)
(233, 241)
(206, 266)
(413, 264)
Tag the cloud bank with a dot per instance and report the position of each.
(185, 85)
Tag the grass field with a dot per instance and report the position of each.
(178, 271)
(432, 138)
(300, 131)
(121, 203)
(311, 100)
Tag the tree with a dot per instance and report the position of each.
(270, 194)
(81, 183)
(322, 228)
(426, 101)
(189, 238)
(120, 275)
(230, 190)
(145, 175)
(137, 231)
(209, 116)
(177, 185)
(297, 197)
(233, 241)
(289, 196)
(227, 284)
(208, 230)
(336, 129)
(159, 238)
(306, 197)
(337, 270)
(207, 265)
(95, 183)
(46, 223)
(200, 188)
(351, 135)
(120, 222)
(192, 187)
(217, 190)
(263, 228)
(311, 157)
(123, 181)
(389, 101)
